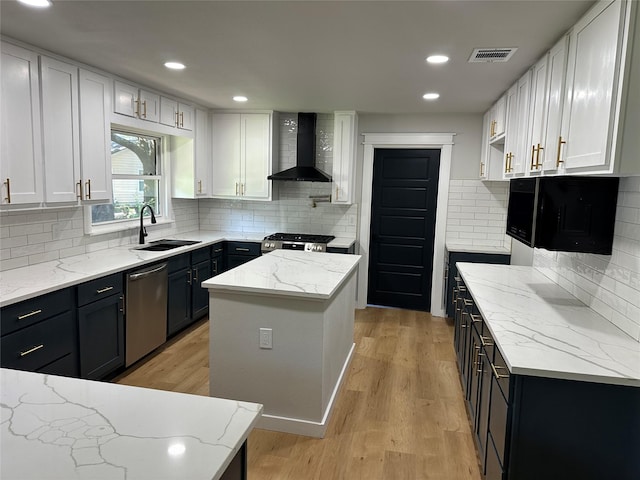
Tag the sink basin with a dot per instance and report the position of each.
(164, 244)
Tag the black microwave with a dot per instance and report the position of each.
(563, 213)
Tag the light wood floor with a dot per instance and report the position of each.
(400, 413)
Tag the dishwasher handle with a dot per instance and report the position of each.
(142, 274)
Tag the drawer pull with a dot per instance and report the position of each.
(105, 289)
(27, 315)
(218, 250)
(238, 249)
(496, 374)
(31, 350)
(486, 341)
(476, 318)
(467, 302)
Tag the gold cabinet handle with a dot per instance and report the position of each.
(242, 185)
(8, 197)
(182, 119)
(475, 318)
(560, 143)
(486, 341)
(496, 374)
(190, 279)
(30, 314)
(199, 186)
(87, 189)
(144, 109)
(481, 169)
(538, 164)
(105, 289)
(177, 119)
(137, 110)
(79, 189)
(122, 303)
(533, 155)
(236, 188)
(195, 274)
(467, 302)
(239, 249)
(31, 350)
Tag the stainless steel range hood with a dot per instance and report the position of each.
(305, 170)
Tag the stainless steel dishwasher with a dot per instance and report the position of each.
(146, 311)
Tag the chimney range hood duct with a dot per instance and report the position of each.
(305, 170)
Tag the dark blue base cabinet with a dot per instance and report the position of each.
(534, 428)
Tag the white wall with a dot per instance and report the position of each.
(609, 284)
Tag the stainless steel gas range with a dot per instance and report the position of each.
(296, 241)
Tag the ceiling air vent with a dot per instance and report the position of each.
(490, 55)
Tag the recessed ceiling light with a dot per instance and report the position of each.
(36, 3)
(174, 65)
(240, 98)
(431, 96)
(438, 59)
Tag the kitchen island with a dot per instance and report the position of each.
(281, 334)
(57, 427)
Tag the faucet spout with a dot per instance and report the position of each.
(143, 231)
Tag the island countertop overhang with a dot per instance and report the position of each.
(311, 275)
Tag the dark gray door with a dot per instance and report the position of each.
(403, 218)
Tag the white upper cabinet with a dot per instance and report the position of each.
(60, 130)
(242, 152)
(497, 125)
(21, 149)
(557, 67)
(135, 102)
(511, 144)
(537, 108)
(344, 156)
(599, 73)
(175, 114)
(191, 161)
(95, 137)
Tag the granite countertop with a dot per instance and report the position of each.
(542, 330)
(28, 282)
(311, 275)
(57, 427)
(466, 248)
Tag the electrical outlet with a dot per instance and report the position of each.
(266, 338)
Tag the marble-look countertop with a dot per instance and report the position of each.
(64, 428)
(28, 282)
(466, 248)
(311, 275)
(542, 330)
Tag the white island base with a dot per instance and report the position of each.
(297, 380)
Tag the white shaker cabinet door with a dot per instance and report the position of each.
(344, 156)
(537, 104)
(590, 91)
(95, 136)
(60, 130)
(202, 154)
(255, 152)
(511, 140)
(125, 97)
(149, 106)
(225, 154)
(185, 117)
(522, 152)
(21, 148)
(556, 79)
(168, 112)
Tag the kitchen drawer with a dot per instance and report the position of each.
(236, 260)
(217, 249)
(99, 288)
(66, 366)
(38, 345)
(503, 372)
(200, 255)
(23, 314)
(179, 262)
(243, 248)
(498, 417)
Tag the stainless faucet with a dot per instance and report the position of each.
(143, 231)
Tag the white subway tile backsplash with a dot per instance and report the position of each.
(609, 284)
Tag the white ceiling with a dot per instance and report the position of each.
(303, 55)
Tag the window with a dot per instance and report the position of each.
(136, 176)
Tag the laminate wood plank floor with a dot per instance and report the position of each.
(400, 413)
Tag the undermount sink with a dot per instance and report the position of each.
(165, 244)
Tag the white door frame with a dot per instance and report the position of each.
(441, 141)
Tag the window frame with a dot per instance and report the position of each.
(163, 164)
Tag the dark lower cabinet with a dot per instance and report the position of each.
(237, 469)
(101, 326)
(241, 252)
(532, 428)
(452, 271)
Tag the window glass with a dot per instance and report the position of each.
(135, 165)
